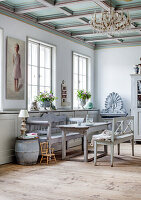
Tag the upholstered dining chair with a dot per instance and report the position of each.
(122, 131)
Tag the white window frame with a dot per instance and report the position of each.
(88, 75)
(53, 68)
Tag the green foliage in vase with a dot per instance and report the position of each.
(81, 94)
(45, 96)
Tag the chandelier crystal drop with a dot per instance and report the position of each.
(111, 22)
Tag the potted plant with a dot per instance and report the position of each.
(83, 96)
(45, 99)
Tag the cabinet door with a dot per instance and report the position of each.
(8, 133)
(137, 126)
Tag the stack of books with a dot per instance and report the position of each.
(31, 135)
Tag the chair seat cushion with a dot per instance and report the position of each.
(106, 135)
(57, 137)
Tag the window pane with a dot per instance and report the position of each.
(39, 73)
(84, 66)
(29, 53)
(47, 77)
(42, 89)
(80, 83)
(29, 75)
(42, 56)
(48, 57)
(80, 65)
(29, 96)
(84, 82)
(42, 80)
(34, 75)
(75, 81)
(75, 64)
(48, 89)
(34, 54)
(79, 73)
(34, 92)
(75, 99)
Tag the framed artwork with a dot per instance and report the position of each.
(15, 72)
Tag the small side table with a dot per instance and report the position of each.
(27, 151)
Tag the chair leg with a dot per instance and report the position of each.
(118, 148)
(105, 149)
(95, 152)
(132, 141)
(112, 154)
(41, 159)
(55, 159)
(47, 160)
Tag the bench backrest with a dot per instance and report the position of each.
(42, 128)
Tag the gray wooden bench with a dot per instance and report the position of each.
(46, 127)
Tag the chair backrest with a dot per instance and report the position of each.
(44, 148)
(55, 120)
(122, 126)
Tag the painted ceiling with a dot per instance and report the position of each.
(71, 18)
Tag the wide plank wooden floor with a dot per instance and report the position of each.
(69, 180)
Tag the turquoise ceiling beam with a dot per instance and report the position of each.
(29, 9)
(66, 18)
(102, 4)
(79, 15)
(10, 13)
(75, 16)
(51, 4)
(48, 3)
(90, 33)
(113, 38)
(71, 27)
(57, 5)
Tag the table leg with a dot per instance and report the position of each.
(63, 145)
(85, 148)
(105, 149)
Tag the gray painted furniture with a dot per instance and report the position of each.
(10, 125)
(27, 151)
(84, 130)
(122, 131)
(46, 127)
(136, 104)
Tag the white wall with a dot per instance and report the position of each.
(20, 30)
(113, 67)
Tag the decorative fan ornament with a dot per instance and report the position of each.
(113, 106)
(113, 102)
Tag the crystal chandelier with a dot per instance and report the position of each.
(111, 22)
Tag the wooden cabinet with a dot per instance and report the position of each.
(8, 134)
(136, 104)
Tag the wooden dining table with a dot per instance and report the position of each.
(84, 129)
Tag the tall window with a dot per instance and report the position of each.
(39, 69)
(80, 76)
